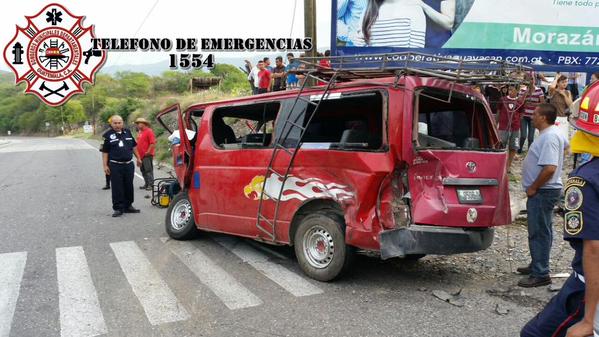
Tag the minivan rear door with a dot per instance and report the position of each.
(457, 174)
(172, 120)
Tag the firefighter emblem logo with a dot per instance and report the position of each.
(54, 54)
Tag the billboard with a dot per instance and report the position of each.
(546, 33)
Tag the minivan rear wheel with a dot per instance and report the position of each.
(320, 246)
(180, 224)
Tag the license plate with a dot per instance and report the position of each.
(470, 196)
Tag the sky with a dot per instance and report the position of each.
(178, 19)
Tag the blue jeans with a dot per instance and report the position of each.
(527, 130)
(540, 229)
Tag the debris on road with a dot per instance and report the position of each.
(554, 287)
(501, 309)
(453, 299)
(442, 295)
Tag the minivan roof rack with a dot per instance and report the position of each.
(368, 66)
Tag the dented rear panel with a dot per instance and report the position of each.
(435, 178)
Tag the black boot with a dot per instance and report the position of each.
(131, 209)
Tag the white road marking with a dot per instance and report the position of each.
(158, 301)
(45, 144)
(139, 176)
(233, 294)
(80, 313)
(288, 280)
(11, 274)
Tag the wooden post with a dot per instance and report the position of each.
(310, 29)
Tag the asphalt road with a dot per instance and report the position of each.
(69, 269)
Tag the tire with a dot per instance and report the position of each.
(179, 221)
(320, 247)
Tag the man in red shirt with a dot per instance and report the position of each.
(146, 145)
(264, 78)
(324, 63)
(509, 113)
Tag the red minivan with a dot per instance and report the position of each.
(403, 165)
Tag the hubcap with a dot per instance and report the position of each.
(318, 247)
(181, 214)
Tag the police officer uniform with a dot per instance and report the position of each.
(119, 146)
(581, 222)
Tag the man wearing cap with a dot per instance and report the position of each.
(146, 145)
(571, 312)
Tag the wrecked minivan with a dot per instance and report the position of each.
(402, 161)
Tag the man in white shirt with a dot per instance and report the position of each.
(253, 76)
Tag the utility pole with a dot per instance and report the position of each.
(310, 28)
(310, 24)
(62, 117)
(93, 113)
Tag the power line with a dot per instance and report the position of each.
(146, 18)
(140, 26)
(293, 18)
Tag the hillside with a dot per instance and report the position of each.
(6, 77)
(129, 94)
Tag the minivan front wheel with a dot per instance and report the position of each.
(180, 224)
(320, 246)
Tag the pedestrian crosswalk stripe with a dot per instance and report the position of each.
(233, 294)
(11, 274)
(288, 280)
(80, 313)
(156, 298)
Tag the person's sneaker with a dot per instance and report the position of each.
(148, 188)
(531, 281)
(117, 213)
(131, 209)
(143, 187)
(107, 187)
(520, 151)
(524, 270)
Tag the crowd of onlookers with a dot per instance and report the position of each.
(263, 77)
(514, 107)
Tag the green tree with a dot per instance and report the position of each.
(119, 106)
(74, 112)
(233, 79)
(172, 81)
(134, 84)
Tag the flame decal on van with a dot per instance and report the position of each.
(295, 188)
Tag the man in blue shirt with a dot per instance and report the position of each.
(542, 170)
(292, 64)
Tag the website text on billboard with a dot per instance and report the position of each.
(549, 33)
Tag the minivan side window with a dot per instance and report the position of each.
(451, 121)
(348, 121)
(244, 126)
